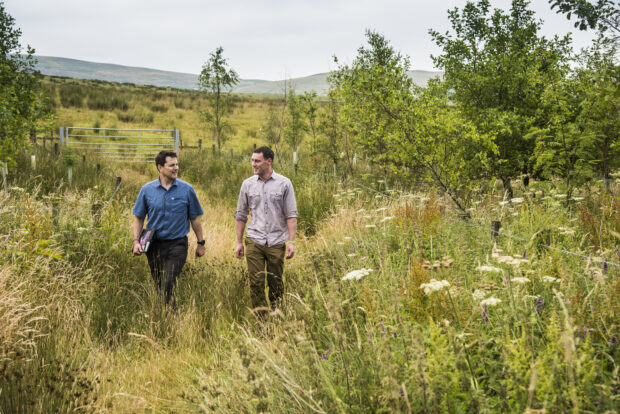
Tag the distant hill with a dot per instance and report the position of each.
(80, 69)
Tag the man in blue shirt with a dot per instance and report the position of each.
(171, 206)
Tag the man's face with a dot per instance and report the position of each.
(260, 164)
(170, 169)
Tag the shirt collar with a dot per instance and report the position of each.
(273, 176)
(174, 183)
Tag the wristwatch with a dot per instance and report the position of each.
(201, 242)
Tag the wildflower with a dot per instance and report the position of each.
(539, 303)
(478, 294)
(524, 255)
(492, 301)
(484, 315)
(371, 226)
(384, 219)
(486, 268)
(357, 274)
(613, 341)
(605, 267)
(517, 200)
(326, 354)
(550, 279)
(395, 335)
(351, 255)
(347, 238)
(434, 286)
(520, 280)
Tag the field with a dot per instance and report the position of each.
(439, 317)
(97, 104)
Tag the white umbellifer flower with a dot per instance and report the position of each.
(351, 255)
(347, 238)
(490, 301)
(486, 268)
(517, 200)
(550, 279)
(17, 189)
(577, 198)
(521, 280)
(384, 219)
(357, 274)
(479, 294)
(434, 286)
(381, 209)
(340, 243)
(370, 226)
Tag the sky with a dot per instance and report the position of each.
(262, 39)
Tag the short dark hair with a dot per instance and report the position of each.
(266, 151)
(161, 157)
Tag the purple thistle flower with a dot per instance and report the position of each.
(395, 335)
(605, 267)
(539, 303)
(325, 356)
(613, 341)
(402, 393)
(485, 317)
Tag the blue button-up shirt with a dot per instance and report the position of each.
(169, 211)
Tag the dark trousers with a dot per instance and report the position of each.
(265, 266)
(166, 259)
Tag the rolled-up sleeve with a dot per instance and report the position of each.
(289, 204)
(242, 204)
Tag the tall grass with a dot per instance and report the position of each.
(83, 328)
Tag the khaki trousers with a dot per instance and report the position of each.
(265, 266)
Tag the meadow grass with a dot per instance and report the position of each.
(98, 104)
(83, 328)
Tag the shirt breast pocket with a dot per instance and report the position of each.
(177, 205)
(276, 197)
(254, 200)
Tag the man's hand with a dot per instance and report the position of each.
(137, 248)
(239, 251)
(290, 250)
(200, 250)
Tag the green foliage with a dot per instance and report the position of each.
(21, 99)
(600, 15)
(499, 66)
(406, 128)
(217, 81)
(295, 125)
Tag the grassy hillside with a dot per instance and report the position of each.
(98, 104)
(442, 319)
(79, 69)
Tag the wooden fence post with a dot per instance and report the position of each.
(4, 171)
(495, 226)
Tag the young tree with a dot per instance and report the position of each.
(295, 125)
(218, 80)
(376, 70)
(21, 96)
(310, 108)
(498, 67)
(419, 129)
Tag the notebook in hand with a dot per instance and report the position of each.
(146, 237)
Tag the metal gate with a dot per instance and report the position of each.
(125, 144)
